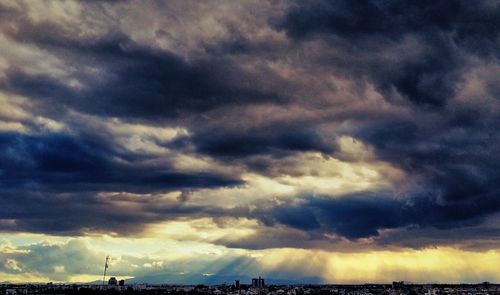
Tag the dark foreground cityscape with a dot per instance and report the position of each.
(256, 288)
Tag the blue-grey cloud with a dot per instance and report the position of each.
(276, 140)
(140, 83)
(62, 163)
(361, 216)
(442, 29)
(50, 184)
(433, 64)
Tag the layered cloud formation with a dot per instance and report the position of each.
(303, 126)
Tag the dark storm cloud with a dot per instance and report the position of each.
(127, 79)
(364, 215)
(478, 237)
(417, 55)
(274, 140)
(139, 83)
(62, 163)
(80, 213)
(50, 183)
(458, 158)
(442, 29)
(394, 19)
(456, 162)
(451, 150)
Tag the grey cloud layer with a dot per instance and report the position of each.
(432, 68)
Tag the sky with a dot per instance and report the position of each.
(341, 141)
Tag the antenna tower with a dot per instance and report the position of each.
(105, 269)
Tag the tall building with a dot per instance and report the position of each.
(112, 281)
(258, 283)
(121, 283)
(237, 284)
(398, 285)
(261, 283)
(255, 283)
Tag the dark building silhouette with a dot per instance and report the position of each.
(112, 281)
(398, 285)
(237, 284)
(121, 283)
(258, 283)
